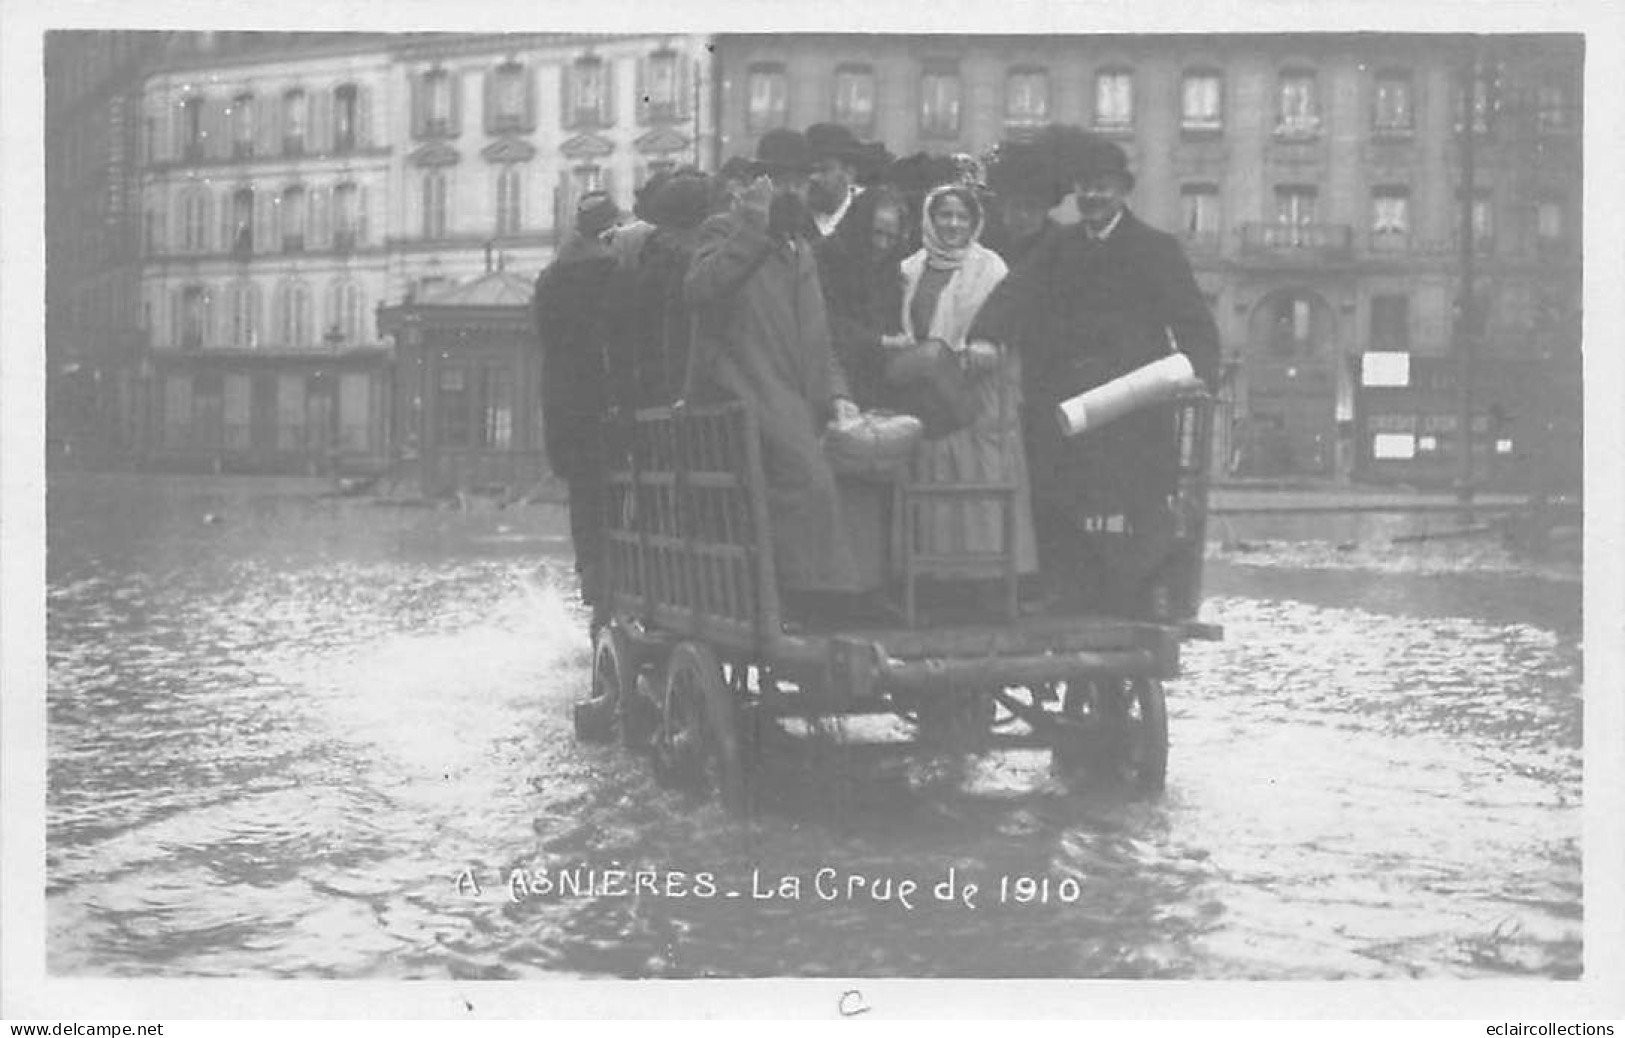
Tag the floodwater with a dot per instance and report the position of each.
(297, 736)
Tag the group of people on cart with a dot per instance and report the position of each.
(822, 281)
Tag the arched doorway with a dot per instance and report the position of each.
(1291, 427)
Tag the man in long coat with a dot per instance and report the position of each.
(567, 310)
(1091, 302)
(762, 337)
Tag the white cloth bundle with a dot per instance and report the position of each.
(874, 445)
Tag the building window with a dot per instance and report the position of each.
(855, 98)
(1292, 326)
(1390, 323)
(347, 223)
(195, 220)
(242, 126)
(1294, 216)
(295, 216)
(1026, 97)
(939, 103)
(1553, 113)
(453, 394)
(1298, 110)
(434, 205)
(194, 316)
(294, 316)
(244, 315)
(437, 106)
(346, 112)
(295, 121)
(1392, 111)
(1201, 102)
(1199, 204)
(589, 93)
(1483, 220)
(510, 189)
(1114, 100)
(242, 221)
(1486, 99)
(509, 100)
(345, 313)
(1549, 229)
(193, 134)
(660, 94)
(1390, 218)
(767, 98)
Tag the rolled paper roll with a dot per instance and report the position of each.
(1161, 380)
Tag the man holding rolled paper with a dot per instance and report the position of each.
(1094, 302)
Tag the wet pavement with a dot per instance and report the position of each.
(296, 736)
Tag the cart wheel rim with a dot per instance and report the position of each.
(697, 743)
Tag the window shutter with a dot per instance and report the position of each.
(215, 143)
(562, 206)
(321, 121)
(363, 116)
(321, 217)
(567, 96)
(640, 100)
(163, 132)
(419, 116)
(160, 224)
(361, 214)
(177, 317)
(268, 124)
(266, 234)
(205, 219)
(489, 108)
(606, 96)
(178, 122)
(228, 230)
(684, 105)
(456, 79)
(530, 99)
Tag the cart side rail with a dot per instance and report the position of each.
(686, 530)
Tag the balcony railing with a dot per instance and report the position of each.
(1298, 240)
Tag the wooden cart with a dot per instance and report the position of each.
(696, 658)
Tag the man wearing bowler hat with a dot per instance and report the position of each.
(837, 158)
(762, 337)
(1090, 303)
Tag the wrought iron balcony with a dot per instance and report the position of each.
(1305, 241)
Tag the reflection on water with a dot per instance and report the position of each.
(282, 726)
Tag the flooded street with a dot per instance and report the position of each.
(297, 736)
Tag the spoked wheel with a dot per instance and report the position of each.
(1119, 731)
(613, 673)
(697, 746)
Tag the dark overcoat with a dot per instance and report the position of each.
(1084, 311)
(567, 310)
(761, 336)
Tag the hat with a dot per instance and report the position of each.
(834, 141)
(1027, 169)
(1089, 155)
(681, 200)
(737, 168)
(873, 158)
(783, 151)
(596, 213)
(919, 173)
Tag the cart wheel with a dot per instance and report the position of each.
(597, 716)
(1123, 731)
(697, 746)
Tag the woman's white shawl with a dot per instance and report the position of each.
(979, 273)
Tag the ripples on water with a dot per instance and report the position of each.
(275, 740)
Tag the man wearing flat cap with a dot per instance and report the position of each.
(567, 308)
(762, 337)
(1091, 302)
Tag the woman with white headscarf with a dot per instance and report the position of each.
(944, 286)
